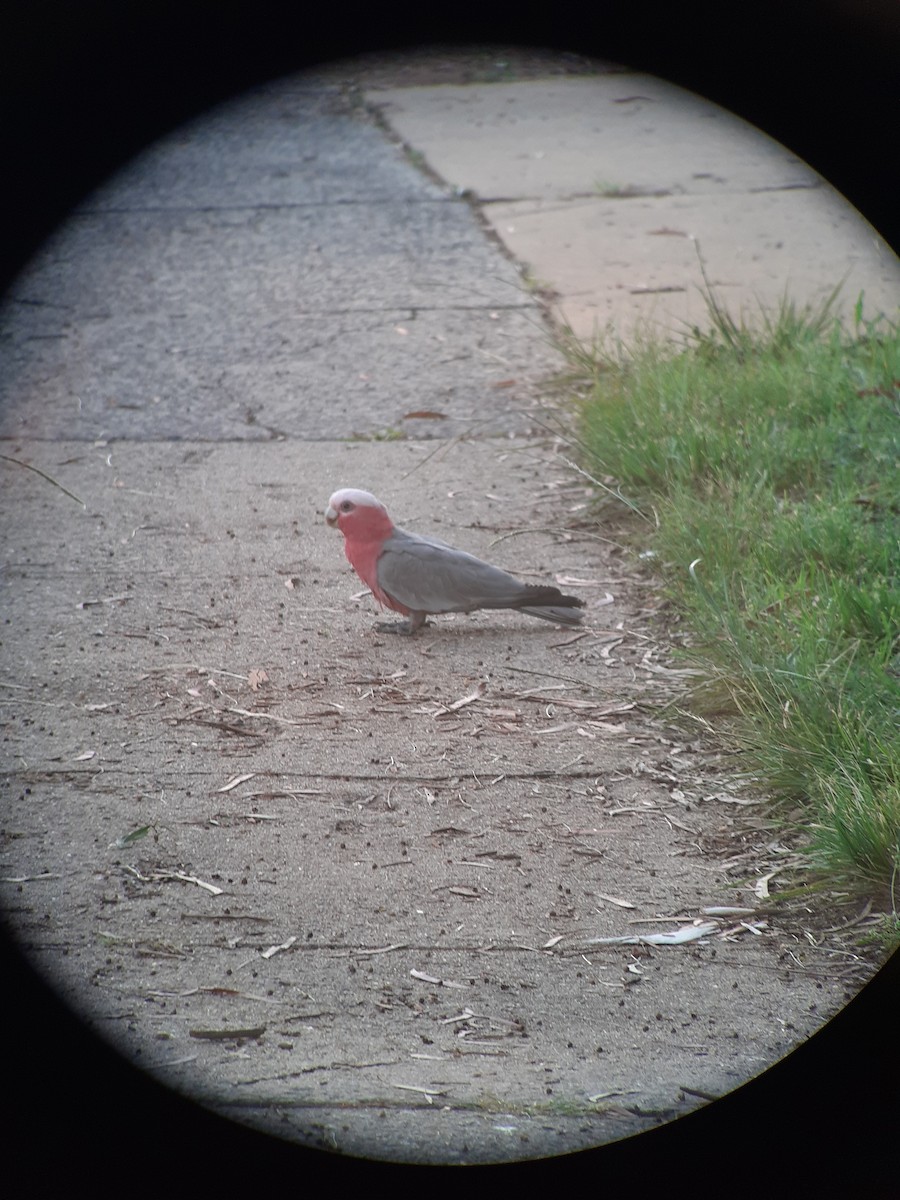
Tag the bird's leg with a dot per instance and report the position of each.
(406, 628)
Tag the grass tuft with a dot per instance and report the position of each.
(768, 453)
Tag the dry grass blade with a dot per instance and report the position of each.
(44, 475)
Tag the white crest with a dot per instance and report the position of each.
(356, 496)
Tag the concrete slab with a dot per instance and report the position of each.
(564, 138)
(621, 265)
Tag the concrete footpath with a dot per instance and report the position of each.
(340, 887)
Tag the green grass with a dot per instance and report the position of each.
(770, 453)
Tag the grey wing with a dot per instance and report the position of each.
(426, 575)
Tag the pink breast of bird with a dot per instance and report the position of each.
(365, 531)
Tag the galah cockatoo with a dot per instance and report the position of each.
(417, 575)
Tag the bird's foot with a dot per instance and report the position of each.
(402, 627)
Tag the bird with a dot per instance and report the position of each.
(420, 576)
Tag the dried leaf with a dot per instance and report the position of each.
(423, 977)
(761, 887)
(233, 783)
(685, 672)
(428, 1093)
(725, 798)
(679, 824)
(576, 637)
(449, 983)
(726, 910)
(615, 900)
(88, 754)
(223, 1034)
(424, 414)
(208, 887)
(273, 950)
(257, 678)
(27, 878)
(687, 933)
(105, 600)
(607, 650)
(465, 1015)
(574, 581)
(470, 699)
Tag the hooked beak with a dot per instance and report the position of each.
(331, 517)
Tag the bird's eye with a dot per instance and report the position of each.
(347, 506)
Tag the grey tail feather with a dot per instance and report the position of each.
(559, 615)
(541, 596)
